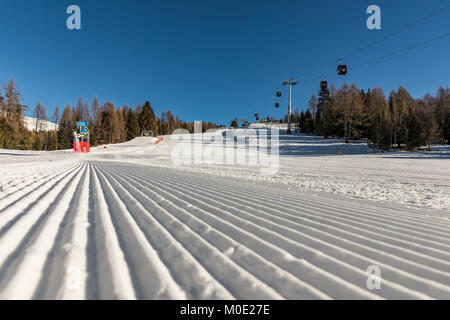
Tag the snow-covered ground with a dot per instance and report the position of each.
(309, 163)
(127, 222)
(43, 125)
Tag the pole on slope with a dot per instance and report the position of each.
(291, 82)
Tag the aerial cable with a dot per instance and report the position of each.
(402, 50)
(381, 40)
(420, 44)
(398, 32)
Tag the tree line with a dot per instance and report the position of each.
(108, 124)
(395, 122)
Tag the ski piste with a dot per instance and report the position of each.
(124, 222)
(230, 158)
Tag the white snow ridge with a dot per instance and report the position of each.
(42, 125)
(124, 222)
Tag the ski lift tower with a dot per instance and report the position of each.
(81, 142)
(291, 82)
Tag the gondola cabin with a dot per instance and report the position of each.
(342, 69)
(324, 84)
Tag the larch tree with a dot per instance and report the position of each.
(312, 103)
(55, 116)
(37, 115)
(53, 137)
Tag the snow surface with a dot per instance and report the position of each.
(30, 124)
(125, 222)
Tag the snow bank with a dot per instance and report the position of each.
(30, 124)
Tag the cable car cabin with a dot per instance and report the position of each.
(277, 105)
(324, 84)
(278, 94)
(342, 69)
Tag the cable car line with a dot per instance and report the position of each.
(382, 39)
(402, 50)
(343, 68)
(398, 32)
(383, 57)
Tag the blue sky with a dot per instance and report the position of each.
(209, 59)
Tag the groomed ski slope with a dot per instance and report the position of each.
(125, 223)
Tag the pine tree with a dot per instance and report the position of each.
(442, 112)
(171, 122)
(147, 119)
(329, 122)
(96, 119)
(66, 128)
(133, 129)
(415, 131)
(309, 122)
(109, 124)
(162, 124)
(37, 141)
(52, 140)
(121, 127)
(313, 105)
(24, 138)
(302, 123)
(2, 105)
(15, 133)
(323, 102)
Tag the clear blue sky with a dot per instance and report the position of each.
(210, 59)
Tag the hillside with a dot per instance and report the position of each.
(45, 125)
(127, 222)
